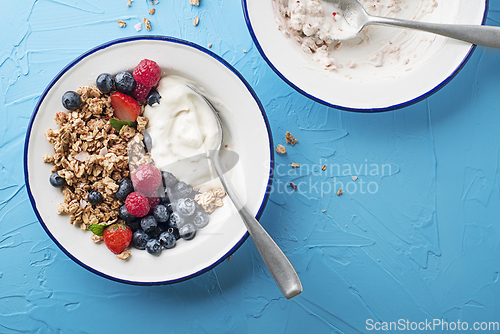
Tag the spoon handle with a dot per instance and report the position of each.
(475, 34)
(276, 262)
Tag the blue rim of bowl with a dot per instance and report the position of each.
(170, 40)
(367, 110)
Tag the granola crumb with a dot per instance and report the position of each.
(324, 167)
(122, 24)
(323, 211)
(294, 165)
(147, 23)
(339, 192)
(125, 255)
(152, 11)
(230, 258)
(280, 149)
(129, 3)
(209, 45)
(97, 239)
(211, 200)
(244, 51)
(294, 187)
(290, 139)
(194, 2)
(196, 21)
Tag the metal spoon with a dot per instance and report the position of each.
(357, 17)
(278, 265)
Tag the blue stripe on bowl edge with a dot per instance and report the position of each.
(368, 110)
(124, 40)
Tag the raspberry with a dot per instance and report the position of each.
(137, 204)
(147, 73)
(146, 179)
(153, 201)
(141, 92)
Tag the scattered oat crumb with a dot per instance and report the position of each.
(230, 258)
(324, 167)
(211, 200)
(152, 11)
(196, 21)
(354, 177)
(294, 165)
(209, 45)
(293, 186)
(194, 2)
(286, 228)
(129, 3)
(122, 24)
(138, 26)
(339, 192)
(147, 23)
(244, 51)
(323, 210)
(280, 149)
(290, 139)
(124, 255)
(96, 238)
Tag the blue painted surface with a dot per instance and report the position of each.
(424, 246)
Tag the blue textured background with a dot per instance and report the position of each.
(424, 246)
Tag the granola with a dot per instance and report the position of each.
(280, 149)
(290, 139)
(211, 200)
(89, 154)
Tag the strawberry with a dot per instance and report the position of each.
(117, 237)
(125, 107)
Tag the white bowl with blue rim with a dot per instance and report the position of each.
(367, 90)
(225, 231)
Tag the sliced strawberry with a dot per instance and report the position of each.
(117, 237)
(125, 107)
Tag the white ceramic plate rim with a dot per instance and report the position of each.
(275, 66)
(84, 56)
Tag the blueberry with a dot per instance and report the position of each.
(104, 82)
(56, 181)
(200, 219)
(148, 142)
(167, 239)
(71, 100)
(168, 179)
(175, 232)
(153, 97)
(185, 206)
(134, 224)
(149, 224)
(123, 214)
(125, 187)
(140, 239)
(153, 247)
(161, 214)
(187, 232)
(125, 82)
(94, 197)
(176, 220)
(182, 190)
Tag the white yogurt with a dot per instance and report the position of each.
(316, 27)
(183, 130)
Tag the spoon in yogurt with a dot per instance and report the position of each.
(278, 265)
(357, 17)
